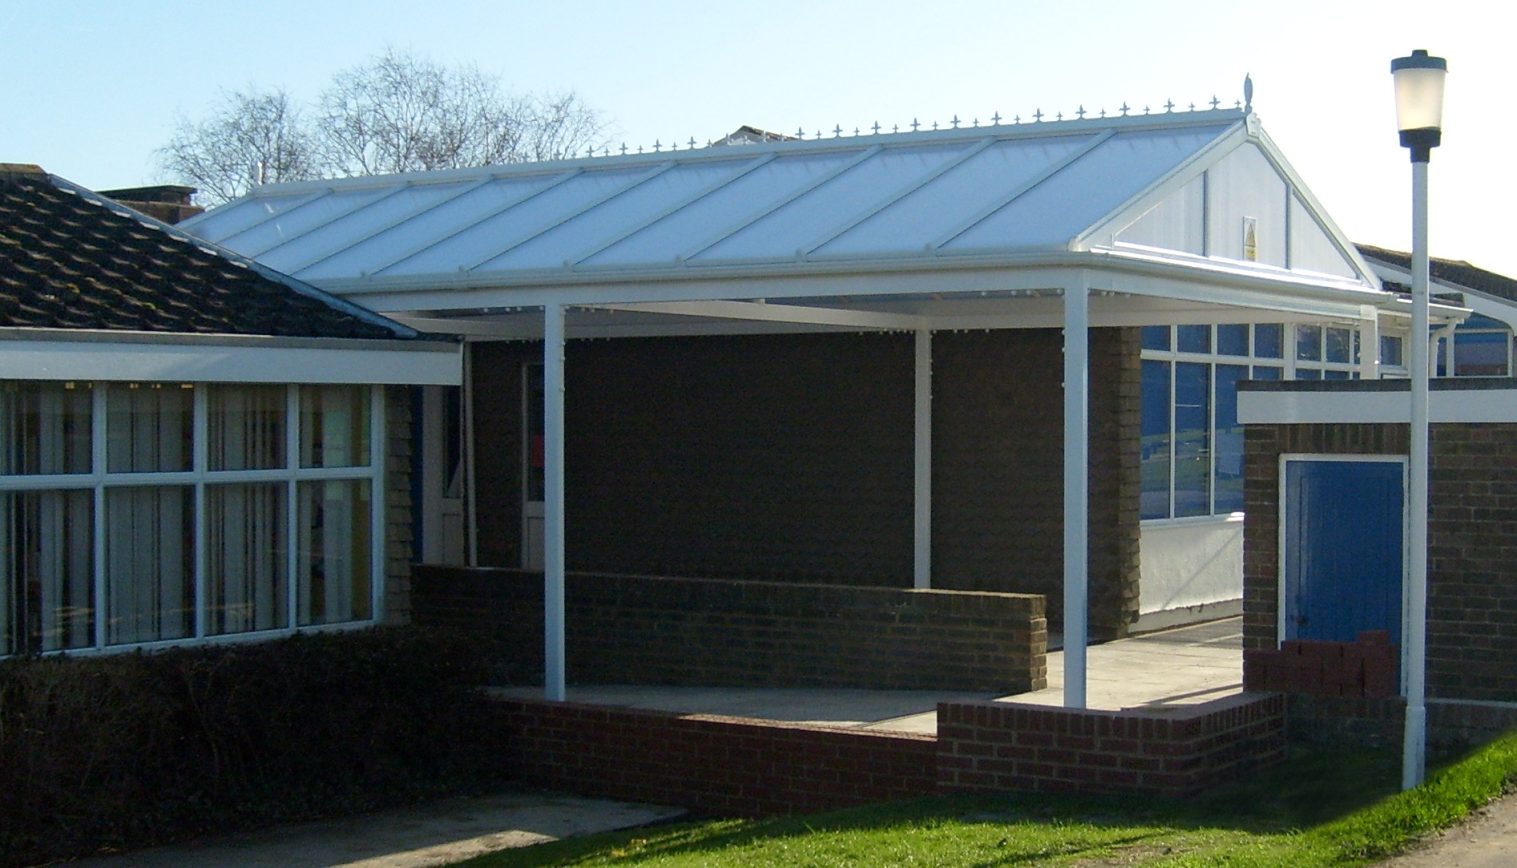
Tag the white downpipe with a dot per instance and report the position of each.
(1414, 749)
(1446, 335)
(1369, 343)
(553, 505)
(1076, 488)
(922, 482)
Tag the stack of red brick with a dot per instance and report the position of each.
(1365, 668)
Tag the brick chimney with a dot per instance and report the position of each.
(167, 202)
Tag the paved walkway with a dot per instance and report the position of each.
(1487, 840)
(439, 833)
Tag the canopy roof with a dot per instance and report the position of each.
(1168, 200)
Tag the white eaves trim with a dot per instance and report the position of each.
(1332, 407)
(57, 354)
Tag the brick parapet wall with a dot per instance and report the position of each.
(704, 632)
(1366, 668)
(1472, 534)
(744, 767)
(728, 766)
(788, 458)
(1006, 746)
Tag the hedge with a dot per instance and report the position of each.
(109, 752)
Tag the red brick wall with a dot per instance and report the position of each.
(744, 767)
(1367, 668)
(714, 632)
(1006, 746)
(727, 766)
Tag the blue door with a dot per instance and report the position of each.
(1343, 548)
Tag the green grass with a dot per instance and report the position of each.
(1317, 809)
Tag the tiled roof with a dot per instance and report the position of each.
(72, 259)
(1452, 271)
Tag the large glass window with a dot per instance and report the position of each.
(264, 522)
(1192, 439)
(1156, 443)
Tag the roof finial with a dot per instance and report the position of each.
(1248, 93)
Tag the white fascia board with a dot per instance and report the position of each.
(434, 364)
(781, 313)
(1332, 407)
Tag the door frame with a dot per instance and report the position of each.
(1280, 589)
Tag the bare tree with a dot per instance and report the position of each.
(396, 113)
(253, 137)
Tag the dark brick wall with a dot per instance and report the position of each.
(641, 630)
(725, 766)
(1472, 544)
(397, 506)
(1176, 752)
(790, 458)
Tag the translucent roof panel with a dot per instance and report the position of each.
(1001, 190)
(636, 206)
(477, 202)
(935, 210)
(344, 231)
(811, 219)
(726, 209)
(1086, 190)
(554, 203)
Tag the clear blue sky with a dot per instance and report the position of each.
(92, 88)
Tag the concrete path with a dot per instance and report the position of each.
(1487, 840)
(439, 833)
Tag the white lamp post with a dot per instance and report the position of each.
(1419, 117)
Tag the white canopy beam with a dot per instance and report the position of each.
(1076, 487)
(785, 313)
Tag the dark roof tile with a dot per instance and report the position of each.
(73, 259)
(1454, 271)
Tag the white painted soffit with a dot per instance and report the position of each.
(60, 354)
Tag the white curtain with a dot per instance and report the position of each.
(150, 573)
(334, 559)
(245, 569)
(246, 427)
(334, 426)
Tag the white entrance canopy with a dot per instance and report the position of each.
(1174, 217)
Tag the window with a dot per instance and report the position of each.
(139, 513)
(1482, 348)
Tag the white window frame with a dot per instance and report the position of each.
(100, 480)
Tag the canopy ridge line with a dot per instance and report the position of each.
(413, 250)
(552, 224)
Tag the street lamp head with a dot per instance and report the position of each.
(1419, 101)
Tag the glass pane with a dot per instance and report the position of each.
(333, 552)
(1193, 338)
(1154, 448)
(246, 427)
(1309, 343)
(1229, 497)
(148, 427)
(149, 563)
(1480, 354)
(1308, 374)
(1390, 351)
(1156, 337)
(1232, 340)
(334, 426)
(46, 428)
(47, 570)
(245, 558)
(1269, 341)
(1192, 441)
(1339, 345)
(1335, 375)
(1267, 372)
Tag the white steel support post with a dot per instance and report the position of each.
(553, 501)
(1369, 343)
(922, 482)
(1076, 488)
(1413, 750)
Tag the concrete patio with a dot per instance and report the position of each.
(1179, 667)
